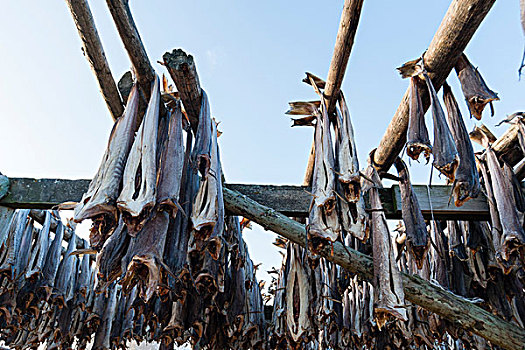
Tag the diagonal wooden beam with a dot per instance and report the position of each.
(457, 28)
(130, 37)
(94, 52)
(458, 310)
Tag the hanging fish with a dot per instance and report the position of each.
(475, 90)
(346, 154)
(208, 208)
(51, 264)
(417, 135)
(297, 295)
(444, 148)
(466, 184)
(100, 198)
(144, 257)
(306, 108)
(111, 257)
(512, 236)
(138, 195)
(418, 240)
(171, 164)
(389, 297)
(64, 273)
(42, 244)
(323, 226)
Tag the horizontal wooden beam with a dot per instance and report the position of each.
(291, 201)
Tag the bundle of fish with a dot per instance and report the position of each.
(46, 291)
(452, 149)
(317, 305)
(162, 236)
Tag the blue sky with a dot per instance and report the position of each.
(251, 57)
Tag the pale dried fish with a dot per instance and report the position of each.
(297, 295)
(138, 195)
(389, 297)
(323, 226)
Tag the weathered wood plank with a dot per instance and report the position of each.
(4, 185)
(289, 200)
(440, 206)
(457, 28)
(432, 297)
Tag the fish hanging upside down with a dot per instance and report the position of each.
(444, 148)
(138, 196)
(466, 183)
(476, 92)
(418, 240)
(389, 297)
(99, 202)
(323, 226)
(417, 135)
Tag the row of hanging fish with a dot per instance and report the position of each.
(452, 151)
(376, 314)
(160, 227)
(45, 290)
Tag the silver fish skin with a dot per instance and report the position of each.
(42, 246)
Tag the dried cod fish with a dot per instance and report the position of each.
(466, 183)
(512, 236)
(389, 297)
(323, 226)
(417, 135)
(475, 90)
(42, 244)
(171, 164)
(101, 196)
(109, 261)
(145, 256)
(346, 154)
(418, 240)
(138, 196)
(51, 264)
(208, 208)
(297, 295)
(444, 148)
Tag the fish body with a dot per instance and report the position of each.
(444, 148)
(466, 185)
(103, 191)
(138, 195)
(417, 134)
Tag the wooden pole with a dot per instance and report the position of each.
(130, 37)
(418, 291)
(94, 52)
(336, 73)
(181, 67)
(457, 28)
(507, 146)
(342, 50)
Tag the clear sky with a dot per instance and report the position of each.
(251, 57)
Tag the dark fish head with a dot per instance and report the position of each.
(415, 149)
